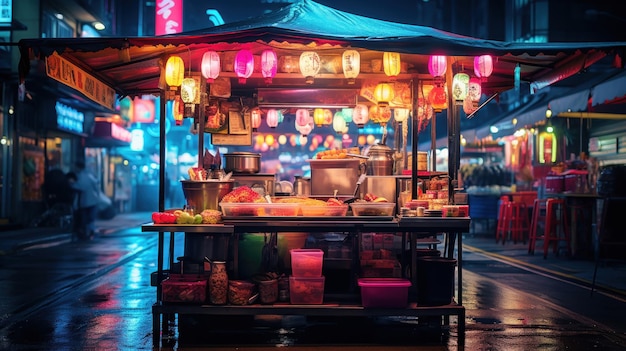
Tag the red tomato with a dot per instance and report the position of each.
(156, 217)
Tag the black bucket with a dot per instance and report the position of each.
(435, 280)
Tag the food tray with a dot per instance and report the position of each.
(259, 209)
(373, 208)
(324, 211)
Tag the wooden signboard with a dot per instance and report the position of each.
(239, 130)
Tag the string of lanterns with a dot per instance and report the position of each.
(466, 90)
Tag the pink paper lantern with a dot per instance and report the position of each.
(474, 90)
(302, 117)
(360, 115)
(256, 118)
(483, 66)
(437, 65)
(272, 118)
(244, 65)
(210, 66)
(269, 65)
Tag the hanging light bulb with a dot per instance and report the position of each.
(351, 63)
(269, 65)
(174, 71)
(210, 66)
(244, 65)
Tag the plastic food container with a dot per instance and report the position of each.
(259, 209)
(324, 211)
(184, 288)
(384, 292)
(373, 208)
(306, 290)
(306, 262)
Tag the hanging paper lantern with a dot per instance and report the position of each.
(424, 109)
(272, 118)
(318, 117)
(189, 91)
(400, 114)
(379, 114)
(351, 63)
(269, 65)
(255, 118)
(328, 117)
(244, 65)
(437, 65)
(438, 98)
(178, 110)
(282, 139)
(281, 116)
(302, 117)
(469, 106)
(483, 66)
(474, 90)
(339, 124)
(391, 63)
(210, 66)
(460, 86)
(383, 93)
(174, 71)
(310, 64)
(306, 129)
(347, 114)
(360, 115)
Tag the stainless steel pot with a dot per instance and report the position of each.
(242, 162)
(380, 161)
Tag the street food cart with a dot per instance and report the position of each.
(314, 48)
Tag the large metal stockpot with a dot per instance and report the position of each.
(242, 162)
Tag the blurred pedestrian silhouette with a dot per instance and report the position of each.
(88, 197)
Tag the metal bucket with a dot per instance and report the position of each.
(206, 194)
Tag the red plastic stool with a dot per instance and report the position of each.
(538, 219)
(518, 217)
(502, 228)
(557, 227)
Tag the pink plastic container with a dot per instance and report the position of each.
(384, 292)
(306, 262)
(306, 290)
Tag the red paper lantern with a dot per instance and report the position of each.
(438, 98)
(437, 65)
(210, 66)
(269, 65)
(272, 118)
(483, 66)
(244, 65)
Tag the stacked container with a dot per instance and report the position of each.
(306, 283)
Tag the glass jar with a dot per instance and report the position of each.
(218, 283)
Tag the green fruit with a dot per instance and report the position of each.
(197, 219)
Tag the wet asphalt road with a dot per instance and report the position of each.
(96, 295)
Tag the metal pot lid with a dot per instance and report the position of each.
(380, 148)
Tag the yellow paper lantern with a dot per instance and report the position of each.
(383, 93)
(351, 62)
(310, 64)
(391, 63)
(318, 117)
(174, 71)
